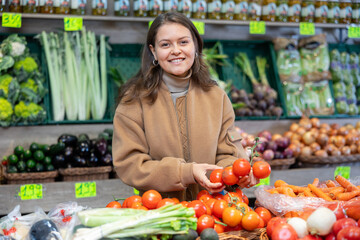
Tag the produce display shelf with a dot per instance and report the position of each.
(147, 19)
(106, 189)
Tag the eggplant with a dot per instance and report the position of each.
(69, 154)
(59, 161)
(106, 159)
(83, 149)
(93, 160)
(100, 146)
(44, 230)
(78, 161)
(68, 139)
(83, 137)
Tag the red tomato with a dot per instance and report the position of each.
(199, 207)
(165, 201)
(261, 224)
(233, 197)
(343, 223)
(205, 221)
(114, 204)
(151, 198)
(184, 203)
(311, 237)
(216, 176)
(130, 200)
(175, 200)
(250, 221)
(338, 210)
(219, 228)
(236, 228)
(210, 203)
(261, 169)
(232, 216)
(205, 197)
(241, 167)
(229, 177)
(349, 233)
(330, 236)
(201, 193)
(245, 199)
(136, 205)
(217, 196)
(284, 231)
(359, 222)
(219, 207)
(264, 213)
(272, 224)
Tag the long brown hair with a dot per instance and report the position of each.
(146, 83)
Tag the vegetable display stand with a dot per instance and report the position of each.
(85, 173)
(231, 71)
(331, 161)
(27, 178)
(280, 164)
(259, 233)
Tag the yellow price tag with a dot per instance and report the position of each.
(12, 20)
(343, 171)
(354, 32)
(73, 23)
(200, 26)
(307, 28)
(264, 181)
(31, 191)
(136, 192)
(257, 27)
(85, 189)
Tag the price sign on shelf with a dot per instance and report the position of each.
(85, 189)
(31, 191)
(12, 20)
(264, 181)
(73, 23)
(307, 28)
(343, 171)
(256, 27)
(354, 32)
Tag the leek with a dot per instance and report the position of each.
(170, 219)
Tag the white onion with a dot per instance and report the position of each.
(299, 225)
(320, 222)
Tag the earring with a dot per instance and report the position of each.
(155, 62)
(196, 54)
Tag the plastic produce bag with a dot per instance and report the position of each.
(293, 101)
(288, 60)
(7, 228)
(65, 217)
(335, 66)
(317, 98)
(346, 69)
(279, 204)
(355, 69)
(315, 59)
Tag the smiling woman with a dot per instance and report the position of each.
(173, 124)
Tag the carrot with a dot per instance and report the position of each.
(308, 193)
(272, 191)
(327, 190)
(302, 194)
(330, 183)
(315, 182)
(335, 191)
(286, 191)
(288, 214)
(344, 182)
(347, 195)
(297, 189)
(280, 183)
(319, 193)
(351, 188)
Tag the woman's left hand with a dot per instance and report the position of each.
(199, 172)
(248, 181)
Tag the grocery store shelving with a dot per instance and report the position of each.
(59, 192)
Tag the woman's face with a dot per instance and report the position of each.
(174, 49)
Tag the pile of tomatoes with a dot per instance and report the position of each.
(241, 167)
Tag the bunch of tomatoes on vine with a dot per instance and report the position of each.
(241, 167)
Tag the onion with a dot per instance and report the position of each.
(306, 151)
(288, 134)
(335, 152)
(325, 126)
(275, 136)
(343, 131)
(305, 123)
(315, 132)
(349, 126)
(243, 142)
(299, 225)
(333, 132)
(282, 142)
(357, 125)
(308, 138)
(250, 140)
(239, 130)
(301, 131)
(265, 134)
(335, 126)
(320, 222)
(278, 155)
(346, 151)
(268, 155)
(322, 139)
(358, 148)
(329, 148)
(244, 134)
(295, 137)
(323, 130)
(353, 149)
(288, 153)
(339, 141)
(295, 149)
(321, 153)
(315, 122)
(271, 146)
(315, 147)
(350, 139)
(294, 127)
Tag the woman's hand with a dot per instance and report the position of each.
(199, 172)
(248, 181)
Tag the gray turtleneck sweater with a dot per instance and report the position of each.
(178, 86)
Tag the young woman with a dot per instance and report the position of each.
(173, 123)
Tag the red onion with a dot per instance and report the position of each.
(268, 155)
(266, 134)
